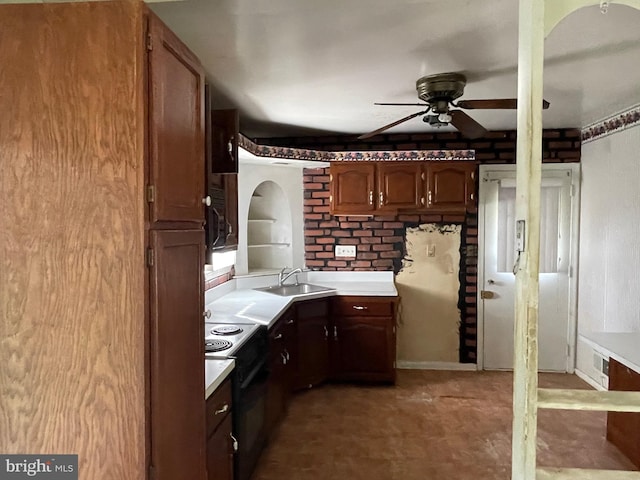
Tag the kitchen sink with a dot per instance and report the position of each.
(290, 290)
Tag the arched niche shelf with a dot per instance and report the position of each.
(269, 229)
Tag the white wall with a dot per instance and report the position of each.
(289, 178)
(609, 259)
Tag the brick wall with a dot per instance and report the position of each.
(379, 240)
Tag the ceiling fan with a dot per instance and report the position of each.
(438, 92)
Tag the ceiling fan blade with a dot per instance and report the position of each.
(467, 125)
(494, 104)
(386, 127)
(404, 104)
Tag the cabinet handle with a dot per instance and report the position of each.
(471, 195)
(278, 337)
(422, 176)
(230, 148)
(358, 307)
(326, 332)
(370, 197)
(224, 409)
(335, 332)
(207, 201)
(290, 322)
(429, 197)
(230, 228)
(381, 198)
(207, 314)
(235, 443)
(284, 358)
(286, 352)
(422, 200)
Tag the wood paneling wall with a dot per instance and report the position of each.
(72, 277)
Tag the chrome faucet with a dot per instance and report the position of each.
(282, 277)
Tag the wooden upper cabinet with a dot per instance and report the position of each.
(176, 128)
(450, 185)
(366, 188)
(353, 188)
(400, 186)
(225, 126)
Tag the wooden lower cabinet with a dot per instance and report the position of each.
(220, 452)
(220, 448)
(312, 360)
(364, 339)
(282, 367)
(623, 429)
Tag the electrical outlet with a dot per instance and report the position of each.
(345, 251)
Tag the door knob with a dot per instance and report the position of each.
(206, 201)
(490, 282)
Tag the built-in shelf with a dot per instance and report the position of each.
(261, 220)
(268, 245)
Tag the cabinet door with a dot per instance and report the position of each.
(623, 428)
(176, 129)
(220, 453)
(275, 402)
(450, 185)
(312, 359)
(352, 187)
(225, 127)
(231, 210)
(176, 356)
(365, 348)
(400, 186)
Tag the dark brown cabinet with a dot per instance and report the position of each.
(312, 359)
(220, 440)
(221, 179)
(623, 429)
(225, 126)
(364, 340)
(176, 129)
(282, 367)
(365, 188)
(176, 256)
(352, 188)
(450, 186)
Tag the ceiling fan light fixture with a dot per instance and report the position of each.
(444, 118)
(434, 121)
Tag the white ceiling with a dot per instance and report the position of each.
(297, 67)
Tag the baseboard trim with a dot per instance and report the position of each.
(469, 367)
(583, 376)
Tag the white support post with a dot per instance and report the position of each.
(529, 165)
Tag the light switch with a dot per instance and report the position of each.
(345, 251)
(431, 250)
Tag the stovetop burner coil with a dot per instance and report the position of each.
(217, 345)
(226, 330)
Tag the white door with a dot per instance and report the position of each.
(497, 281)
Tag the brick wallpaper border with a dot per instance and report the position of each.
(615, 123)
(355, 155)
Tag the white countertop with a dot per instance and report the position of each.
(246, 305)
(623, 347)
(215, 372)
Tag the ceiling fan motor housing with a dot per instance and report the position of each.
(441, 89)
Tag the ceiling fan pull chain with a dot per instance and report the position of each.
(604, 7)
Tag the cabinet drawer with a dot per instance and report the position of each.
(218, 406)
(363, 306)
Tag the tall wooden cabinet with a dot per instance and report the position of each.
(103, 137)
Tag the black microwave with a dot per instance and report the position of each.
(216, 223)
